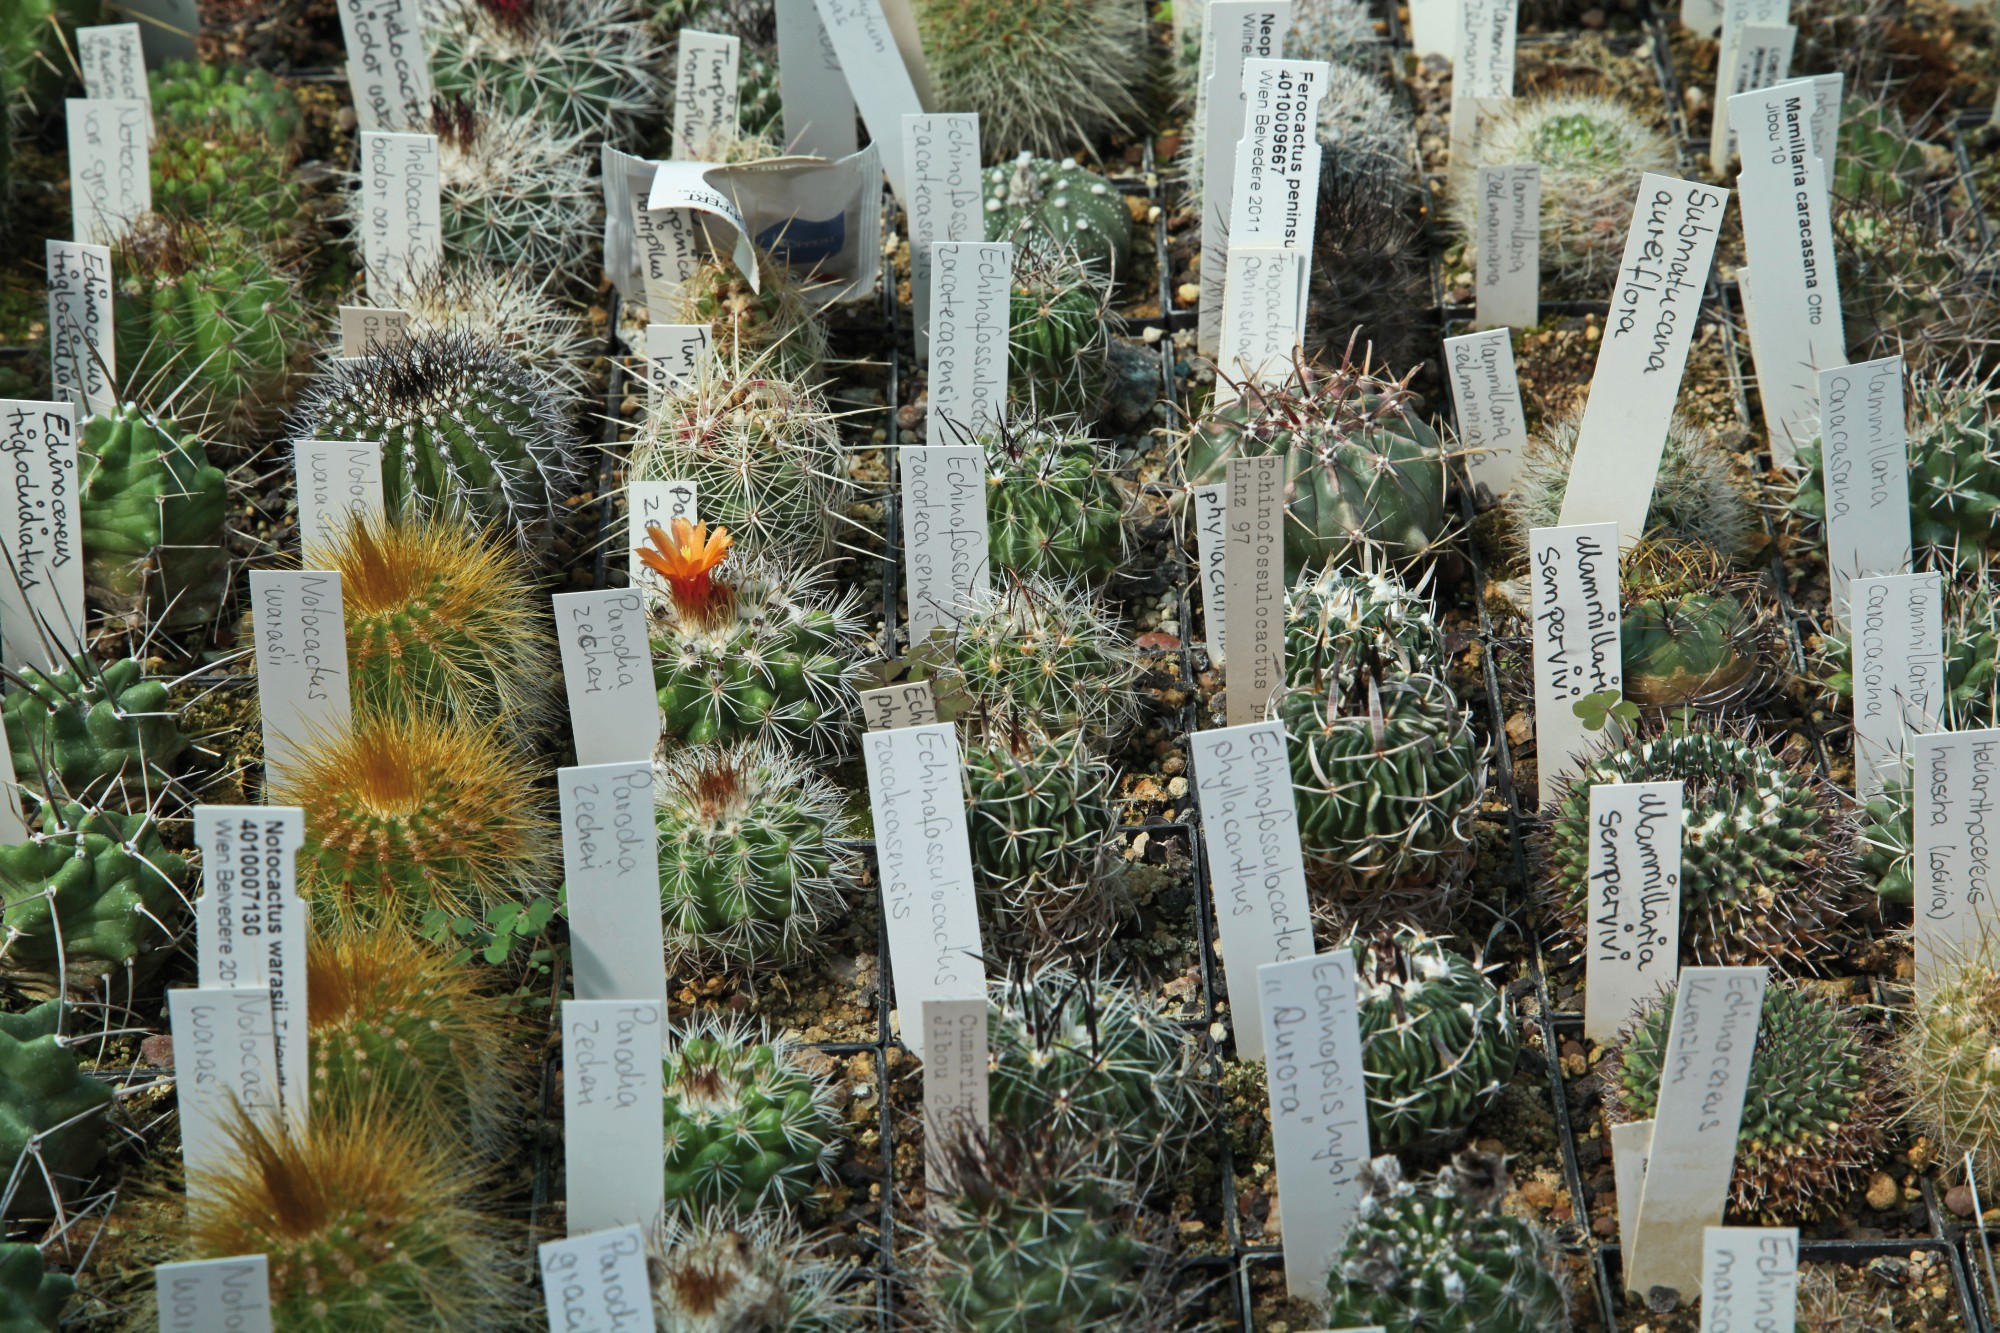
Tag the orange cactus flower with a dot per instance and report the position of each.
(686, 560)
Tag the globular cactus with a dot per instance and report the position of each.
(464, 427)
(1329, 30)
(1387, 775)
(775, 326)
(1337, 621)
(594, 68)
(760, 111)
(1815, 1115)
(89, 893)
(442, 620)
(31, 1297)
(1914, 282)
(1058, 339)
(1057, 210)
(1365, 476)
(1437, 1038)
(1885, 840)
(365, 1225)
(1971, 666)
(748, 1125)
(1036, 649)
(225, 140)
(754, 1274)
(1954, 451)
(1053, 510)
(52, 1114)
(393, 1027)
(760, 649)
(1092, 1062)
(518, 310)
(749, 862)
(1370, 271)
(755, 21)
(1696, 497)
(151, 507)
(1592, 151)
(1766, 856)
(514, 189)
(102, 733)
(409, 813)
(208, 321)
(1439, 1254)
(1693, 634)
(1947, 1063)
(762, 451)
(1043, 75)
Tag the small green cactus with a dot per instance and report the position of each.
(1036, 649)
(515, 189)
(1766, 857)
(224, 147)
(749, 866)
(1365, 475)
(1947, 1064)
(36, 37)
(51, 1113)
(1815, 1115)
(774, 325)
(595, 68)
(463, 426)
(1058, 340)
(1439, 1254)
(152, 510)
(102, 734)
(1093, 1062)
(1437, 1038)
(1052, 508)
(727, 1274)
(89, 893)
(760, 111)
(1056, 210)
(1885, 842)
(31, 1297)
(1693, 634)
(1338, 621)
(748, 1125)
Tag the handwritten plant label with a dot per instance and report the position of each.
(653, 504)
(909, 703)
(1509, 290)
(1233, 32)
(684, 185)
(1700, 1109)
(1434, 27)
(1631, 1145)
(597, 1283)
(917, 791)
(112, 59)
(302, 683)
(1788, 240)
(668, 246)
(204, 1295)
(1643, 353)
(340, 483)
(1263, 318)
(1276, 196)
(1756, 52)
(674, 354)
(225, 1060)
(955, 1092)
(611, 854)
(819, 111)
(83, 358)
(1897, 648)
(1254, 568)
(1486, 402)
(41, 534)
(971, 286)
(110, 172)
(1956, 823)
(1864, 473)
(250, 925)
(402, 227)
(945, 540)
(607, 657)
(877, 77)
(1319, 1107)
(1211, 521)
(941, 156)
(1482, 72)
(367, 330)
(1574, 571)
(1826, 121)
(705, 94)
(387, 66)
(614, 1127)
(1634, 932)
(1749, 1279)
(1250, 826)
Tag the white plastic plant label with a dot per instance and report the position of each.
(1250, 830)
(614, 1112)
(402, 220)
(112, 59)
(1211, 521)
(1896, 646)
(946, 546)
(607, 658)
(13, 820)
(678, 185)
(1864, 474)
(225, 1069)
(877, 77)
(674, 355)
(1741, 65)
(1749, 1279)
(1263, 319)
(705, 95)
(1826, 121)
(653, 504)
(207, 1295)
(41, 535)
(1508, 287)
(302, 681)
(667, 246)
(1275, 198)
(611, 856)
(367, 330)
(388, 69)
(971, 287)
(1253, 566)
(1573, 573)
(626, 180)
(956, 1098)
(818, 108)
(1632, 940)
(340, 484)
(110, 170)
(908, 703)
(1956, 828)
(83, 358)
(1631, 1145)
(1233, 31)
(941, 157)
(597, 1283)
(1483, 41)
(1486, 404)
(1702, 16)
(1434, 27)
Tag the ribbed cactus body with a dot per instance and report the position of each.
(1032, 650)
(102, 734)
(1336, 621)
(1058, 343)
(747, 1124)
(515, 189)
(1692, 634)
(1052, 509)
(224, 146)
(760, 111)
(31, 1297)
(152, 510)
(1947, 1063)
(44, 1094)
(1041, 822)
(593, 67)
(89, 893)
(1044, 76)
(1437, 1039)
(1054, 210)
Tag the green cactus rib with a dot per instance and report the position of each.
(1056, 210)
(1688, 650)
(152, 511)
(593, 67)
(51, 1112)
(747, 1125)
(31, 1297)
(1337, 620)
(1437, 1038)
(1034, 650)
(224, 146)
(1815, 1114)
(1052, 509)
(1041, 822)
(1439, 1257)
(1947, 1063)
(1058, 343)
(94, 733)
(91, 891)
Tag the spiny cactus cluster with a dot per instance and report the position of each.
(1814, 1117)
(1036, 649)
(1437, 1038)
(1052, 210)
(91, 892)
(225, 139)
(1693, 634)
(515, 308)
(1337, 621)
(515, 188)
(1947, 1063)
(53, 1126)
(774, 326)
(747, 1123)
(1370, 271)
(591, 67)
(719, 1273)
(1052, 508)
(98, 733)
(1058, 340)
(151, 509)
